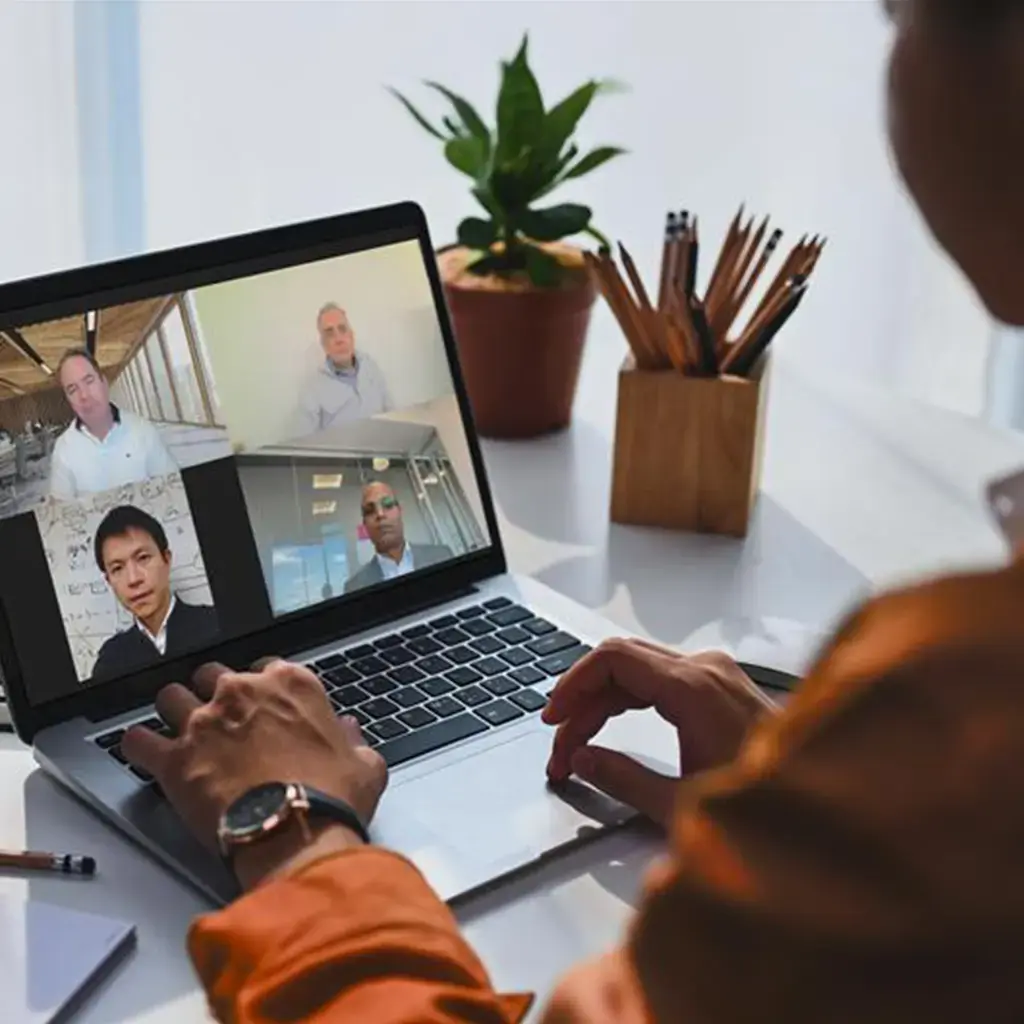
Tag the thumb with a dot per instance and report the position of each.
(627, 781)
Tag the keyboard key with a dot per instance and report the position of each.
(490, 666)
(516, 656)
(381, 707)
(469, 613)
(379, 685)
(362, 651)
(398, 656)
(473, 696)
(500, 685)
(486, 645)
(445, 707)
(529, 700)
(154, 724)
(527, 676)
(451, 637)
(508, 616)
(115, 753)
(416, 718)
(424, 645)
(109, 739)
(477, 627)
(141, 774)
(499, 712)
(389, 729)
(538, 627)
(497, 602)
(407, 674)
(341, 676)
(551, 644)
(370, 666)
(559, 663)
(443, 622)
(431, 738)
(357, 714)
(434, 665)
(409, 697)
(383, 642)
(415, 632)
(461, 655)
(514, 635)
(325, 664)
(349, 696)
(464, 675)
(436, 687)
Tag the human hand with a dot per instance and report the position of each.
(272, 725)
(707, 697)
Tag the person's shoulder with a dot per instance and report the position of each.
(114, 655)
(64, 439)
(195, 612)
(137, 424)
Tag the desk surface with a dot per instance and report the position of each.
(859, 491)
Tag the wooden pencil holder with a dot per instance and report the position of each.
(688, 449)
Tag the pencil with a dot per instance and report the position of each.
(708, 364)
(747, 288)
(741, 268)
(626, 325)
(779, 284)
(668, 253)
(692, 256)
(724, 255)
(645, 344)
(743, 359)
(767, 313)
(61, 863)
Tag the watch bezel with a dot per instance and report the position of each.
(231, 834)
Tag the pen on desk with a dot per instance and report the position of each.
(61, 863)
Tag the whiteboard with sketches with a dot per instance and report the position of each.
(90, 611)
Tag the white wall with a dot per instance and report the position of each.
(261, 335)
(40, 226)
(283, 114)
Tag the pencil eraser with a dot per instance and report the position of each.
(88, 865)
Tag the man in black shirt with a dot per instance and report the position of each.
(134, 556)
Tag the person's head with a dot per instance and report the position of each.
(132, 552)
(336, 334)
(382, 517)
(85, 387)
(956, 122)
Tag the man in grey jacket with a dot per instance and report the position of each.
(393, 556)
(347, 386)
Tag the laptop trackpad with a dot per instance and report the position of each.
(487, 814)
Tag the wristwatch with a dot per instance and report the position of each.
(265, 810)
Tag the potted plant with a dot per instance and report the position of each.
(519, 295)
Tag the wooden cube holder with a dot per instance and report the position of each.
(688, 449)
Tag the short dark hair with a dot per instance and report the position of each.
(118, 521)
(973, 14)
(78, 353)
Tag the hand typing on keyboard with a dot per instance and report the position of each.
(707, 697)
(237, 730)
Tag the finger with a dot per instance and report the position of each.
(622, 664)
(581, 728)
(204, 680)
(175, 703)
(146, 749)
(353, 733)
(627, 781)
(260, 664)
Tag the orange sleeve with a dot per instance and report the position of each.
(355, 937)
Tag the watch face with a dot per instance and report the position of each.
(252, 809)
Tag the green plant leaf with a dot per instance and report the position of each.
(466, 154)
(476, 233)
(470, 118)
(454, 129)
(520, 111)
(420, 119)
(561, 120)
(483, 196)
(591, 161)
(543, 269)
(492, 263)
(555, 222)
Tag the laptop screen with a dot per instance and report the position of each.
(194, 464)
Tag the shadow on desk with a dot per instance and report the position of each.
(128, 885)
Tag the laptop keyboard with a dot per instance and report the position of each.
(421, 689)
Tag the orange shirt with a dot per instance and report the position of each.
(859, 861)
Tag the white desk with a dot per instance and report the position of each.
(859, 491)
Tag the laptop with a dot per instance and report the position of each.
(263, 445)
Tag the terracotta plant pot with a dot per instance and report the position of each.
(520, 346)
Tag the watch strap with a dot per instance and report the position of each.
(330, 807)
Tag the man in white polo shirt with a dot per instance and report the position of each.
(105, 447)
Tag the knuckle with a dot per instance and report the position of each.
(614, 647)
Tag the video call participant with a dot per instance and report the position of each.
(134, 556)
(393, 556)
(104, 447)
(347, 386)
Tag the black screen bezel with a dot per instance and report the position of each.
(72, 292)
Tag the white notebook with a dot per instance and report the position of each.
(51, 958)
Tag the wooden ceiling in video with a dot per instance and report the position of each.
(27, 352)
